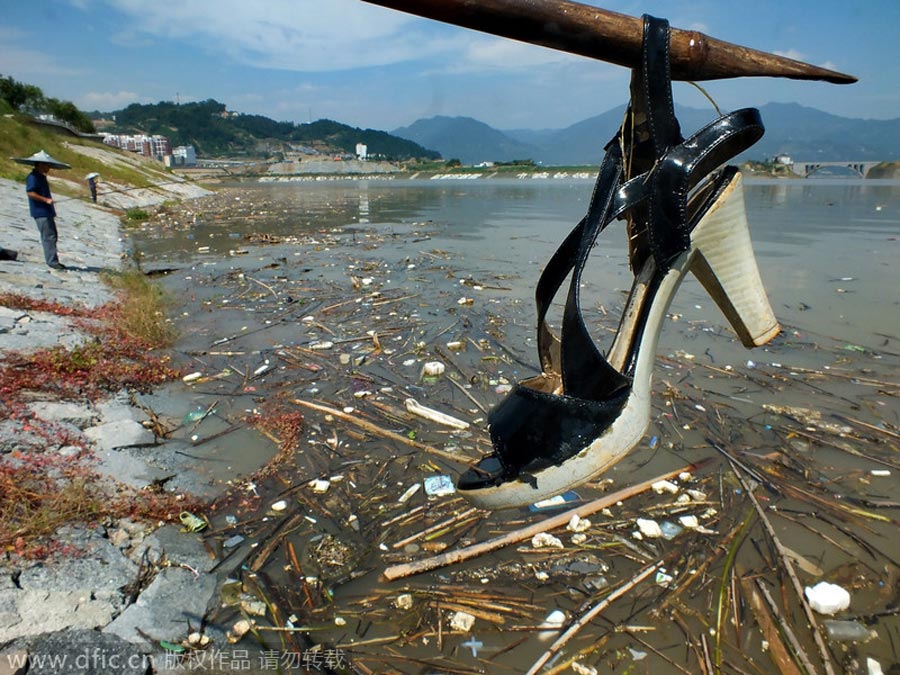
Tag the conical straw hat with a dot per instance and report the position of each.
(42, 158)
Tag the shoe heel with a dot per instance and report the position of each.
(724, 263)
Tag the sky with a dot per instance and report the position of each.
(371, 67)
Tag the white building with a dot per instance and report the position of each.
(361, 150)
(184, 155)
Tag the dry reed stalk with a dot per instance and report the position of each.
(565, 665)
(473, 599)
(850, 450)
(792, 575)
(468, 395)
(436, 527)
(295, 564)
(572, 630)
(653, 649)
(483, 596)
(458, 555)
(375, 429)
(263, 555)
(691, 643)
(778, 652)
(493, 617)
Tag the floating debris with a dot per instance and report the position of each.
(462, 621)
(545, 540)
(410, 491)
(649, 528)
(191, 522)
(552, 624)
(827, 598)
(416, 408)
(439, 486)
(433, 369)
(783, 426)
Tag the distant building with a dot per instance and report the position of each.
(361, 150)
(184, 155)
(784, 160)
(149, 146)
(159, 147)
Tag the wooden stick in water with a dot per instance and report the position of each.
(458, 555)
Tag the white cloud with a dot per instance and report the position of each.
(791, 54)
(502, 54)
(302, 35)
(111, 100)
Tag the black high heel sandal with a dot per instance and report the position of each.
(585, 411)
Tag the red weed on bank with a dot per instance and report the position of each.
(110, 360)
(23, 302)
(41, 490)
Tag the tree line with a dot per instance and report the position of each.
(28, 98)
(209, 127)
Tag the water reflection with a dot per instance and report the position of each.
(805, 232)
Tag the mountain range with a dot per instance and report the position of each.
(805, 134)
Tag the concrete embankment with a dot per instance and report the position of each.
(94, 595)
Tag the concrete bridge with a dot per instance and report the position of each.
(807, 169)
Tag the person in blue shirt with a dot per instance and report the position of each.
(40, 204)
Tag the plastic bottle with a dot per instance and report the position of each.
(847, 631)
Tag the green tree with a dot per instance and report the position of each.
(67, 112)
(21, 96)
(27, 97)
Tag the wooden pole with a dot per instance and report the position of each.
(609, 36)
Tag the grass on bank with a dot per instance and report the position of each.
(143, 308)
(41, 490)
(136, 215)
(20, 139)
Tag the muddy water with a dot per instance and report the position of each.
(423, 264)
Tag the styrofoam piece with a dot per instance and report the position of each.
(827, 598)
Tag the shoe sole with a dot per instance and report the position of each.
(728, 264)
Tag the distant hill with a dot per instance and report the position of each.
(213, 130)
(801, 132)
(467, 140)
(810, 134)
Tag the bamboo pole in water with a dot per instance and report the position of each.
(609, 36)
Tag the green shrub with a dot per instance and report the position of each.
(136, 214)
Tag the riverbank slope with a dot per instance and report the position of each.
(87, 563)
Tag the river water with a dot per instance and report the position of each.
(808, 234)
(459, 259)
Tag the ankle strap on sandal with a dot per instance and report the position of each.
(656, 86)
(678, 165)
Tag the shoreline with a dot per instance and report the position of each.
(87, 587)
